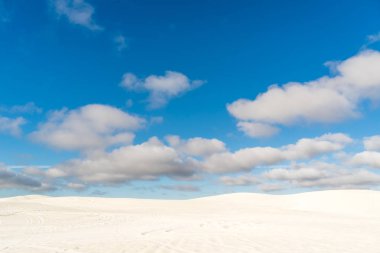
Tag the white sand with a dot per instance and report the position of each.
(330, 221)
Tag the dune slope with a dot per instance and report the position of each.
(327, 221)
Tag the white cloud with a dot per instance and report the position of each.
(253, 129)
(324, 100)
(186, 159)
(372, 143)
(242, 160)
(293, 103)
(88, 128)
(306, 148)
(241, 180)
(324, 175)
(367, 158)
(11, 125)
(196, 146)
(295, 175)
(347, 179)
(160, 88)
(147, 161)
(15, 180)
(77, 12)
(249, 158)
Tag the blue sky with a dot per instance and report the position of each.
(177, 99)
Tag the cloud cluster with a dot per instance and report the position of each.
(77, 12)
(320, 175)
(88, 128)
(248, 158)
(104, 136)
(324, 100)
(184, 159)
(370, 157)
(14, 180)
(188, 159)
(146, 161)
(160, 88)
(323, 175)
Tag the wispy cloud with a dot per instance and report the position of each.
(120, 42)
(373, 38)
(11, 125)
(4, 15)
(28, 108)
(77, 12)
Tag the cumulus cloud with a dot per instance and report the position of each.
(186, 159)
(147, 161)
(161, 89)
(324, 100)
(77, 12)
(301, 174)
(14, 180)
(11, 125)
(254, 129)
(307, 148)
(88, 128)
(150, 160)
(367, 158)
(242, 160)
(371, 156)
(196, 146)
(324, 175)
(249, 158)
(372, 143)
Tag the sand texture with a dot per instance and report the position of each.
(341, 221)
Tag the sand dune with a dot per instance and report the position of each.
(327, 221)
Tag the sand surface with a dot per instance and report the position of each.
(328, 221)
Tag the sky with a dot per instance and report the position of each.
(187, 98)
